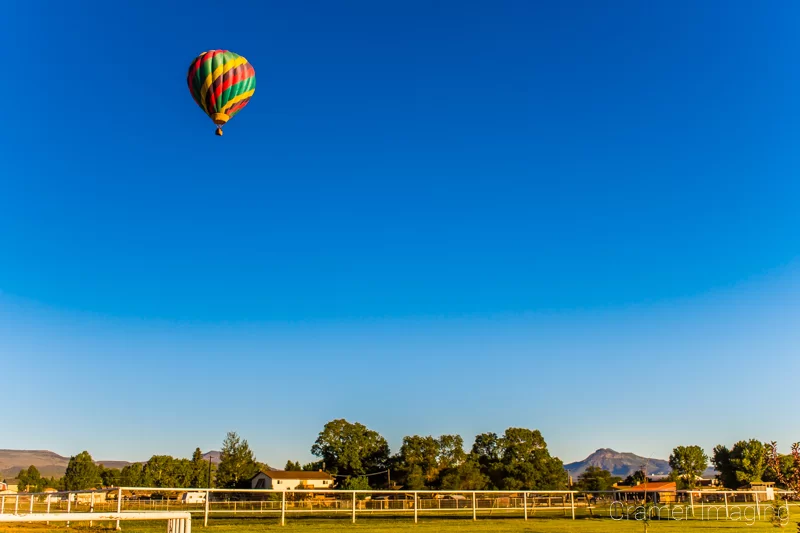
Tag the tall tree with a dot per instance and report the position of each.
(721, 459)
(742, 464)
(518, 460)
(688, 462)
(81, 473)
(237, 463)
(200, 471)
(351, 449)
(749, 460)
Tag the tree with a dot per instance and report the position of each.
(518, 460)
(200, 469)
(109, 477)
(749, 460)
(237, 463)
(466, 476)
(742, 464)
(132, 476)
(596, 479)
(81, 473)
(688, 462)
(636, 478)
(351, 449)
(30, 480)
(293, 467)
(785, 469)
(417, 462)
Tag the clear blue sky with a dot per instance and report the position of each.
(432, 217)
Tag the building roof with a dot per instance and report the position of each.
(654, 486)
(295, 474)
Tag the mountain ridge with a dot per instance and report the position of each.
(624, 464)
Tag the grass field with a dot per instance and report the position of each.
(434, 525)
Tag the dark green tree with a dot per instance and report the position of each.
(721, 459)
(636, 478)
(199, 471)
(109, 477)
(293, 466)
(688, 462)
(132, 476)
(746, 462)
(30, 480)
(518, 460)
(466, 476)
(749, 460)
(595, 478)
(237, 463)
(82, 473)
(351, 449)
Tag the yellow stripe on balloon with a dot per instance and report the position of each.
(219, 71)
(237, 99)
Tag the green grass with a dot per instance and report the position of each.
(430, 525)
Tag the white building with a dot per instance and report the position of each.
(289, 480)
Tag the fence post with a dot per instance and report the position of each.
(415, 507)
(691, 502)
(525, 504)
(283, 508)
(474, 511)
(354, 507)
(69, 504)
(31, 507)
(91, 508)
(119, 506)
(758, 508)
(205, 511)
(572, 503)
(16, 505)
(3, 505)
(48, 509)
(726, 506)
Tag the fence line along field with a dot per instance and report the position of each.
(243, 508)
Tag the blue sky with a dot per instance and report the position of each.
(432, 217)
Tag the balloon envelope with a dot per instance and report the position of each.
(221, 83)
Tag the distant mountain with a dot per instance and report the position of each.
(50, 464)
(214, 455)
(624, 464)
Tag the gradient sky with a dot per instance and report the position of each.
(433, 217)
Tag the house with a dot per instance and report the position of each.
(290, 480)
(655, 491)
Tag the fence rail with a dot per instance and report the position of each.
(694, 504)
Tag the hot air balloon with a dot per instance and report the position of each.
(221, 83)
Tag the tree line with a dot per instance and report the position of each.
(360, 458)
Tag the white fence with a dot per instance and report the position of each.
(177, 522)
(696, 504)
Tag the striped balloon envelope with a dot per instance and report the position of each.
(221, 83)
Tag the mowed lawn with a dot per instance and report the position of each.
(433, 525)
